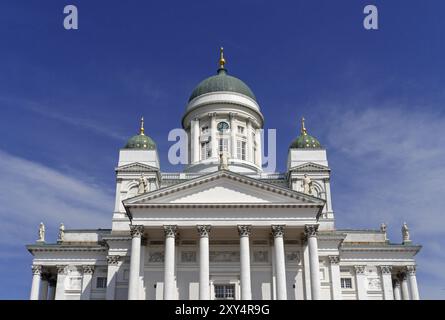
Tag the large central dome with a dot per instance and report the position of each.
(222, 82)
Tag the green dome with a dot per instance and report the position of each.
(141, 141)
(305, 141)
(222, 82)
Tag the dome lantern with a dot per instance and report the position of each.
(141, 141)
(305, 141)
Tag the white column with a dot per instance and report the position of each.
(404, 285)
(44, 287)
(86, 282)
(274, 271)
(306, 270)
(135, 261)
(204, 285)
(52, 289)
(169, 262)
(35, 285)
(246, 285)
(258, 148)
(334, 269)
(314, 264)
(233, 130)
(142, 269)
(60, 284)
(388, 293)
(213, 134)
(397, 292)
(411, 271)
(113, 267)
(249, 142)
(194, 143)
(360, 279)
(280, 263)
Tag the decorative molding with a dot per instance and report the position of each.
(156, 256)
(136, 167)
(411, 270)
(170, 231)
(204, 230)
(374, 284)
(310, 167)
(224, 256)
(334, 259)
(136, 231)
(386, 269)
(62, 269)
(292, 256)
(244, 230)
(188, 256)
(36, 269)
(278, 231)
(359, 269)
(260, 256)
(311, 230)
(113, 260)
(88, 269)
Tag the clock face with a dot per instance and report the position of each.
(222, 126)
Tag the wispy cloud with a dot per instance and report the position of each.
(45, 110)
(31, 192)
(389, 167)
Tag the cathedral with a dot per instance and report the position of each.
(223, 229)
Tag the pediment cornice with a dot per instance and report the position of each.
(310, 167)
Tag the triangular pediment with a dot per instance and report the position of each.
(310, 167)
(224, 188)
(136, 167)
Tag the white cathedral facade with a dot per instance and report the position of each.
(223, 228)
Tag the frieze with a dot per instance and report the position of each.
(224, 256)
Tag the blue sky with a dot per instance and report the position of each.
(70, 99)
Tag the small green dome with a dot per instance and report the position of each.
(141, 141)
(221, 82)
(304, 140)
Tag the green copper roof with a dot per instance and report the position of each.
(304, 140)
(141, 141)
(222, 82)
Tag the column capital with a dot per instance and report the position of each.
(386, 269)
(61, 269)
(136, 231)
(195, 118)
(89, 269)
(170, 231)
(396, 282)
(401, 276)
(45, 276)
(278, 231)
(334, 259)
(36, 269)
(359, 269)
(212, 114)
(244, 230)
(113, 260)
(311, 230)
(411, 270)
(232, 114)
(204, 230)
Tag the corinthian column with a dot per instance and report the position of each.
(194, 133)
(388, 293)
(86, 282)
(169, 262)
(35, 286)
(246, 290)
(334, 269)
(404, 285)
(280, 266)
(135, 260)
(314, 264)
(411, 271)
(233, 135)
(213, 136)
(204, 286)
(360, 279)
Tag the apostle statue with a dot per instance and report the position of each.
(143, 184)
(383, 229)
(41, 232)
(405, 233)
(61, 232)
(307, 184)
(223, 161)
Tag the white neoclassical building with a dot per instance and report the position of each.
(223, 228)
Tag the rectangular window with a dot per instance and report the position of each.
(206, 152)
(240, 130)
(223, 145)
(224, 291)
(101, 282)
(241, 149)
(346, 283)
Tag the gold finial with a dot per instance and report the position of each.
(141, 132)
(303, 128)
(222, 61)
